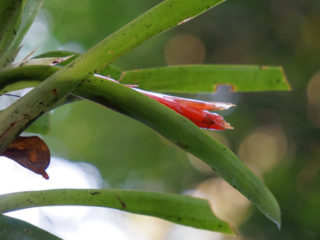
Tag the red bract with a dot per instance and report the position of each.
(194, 110)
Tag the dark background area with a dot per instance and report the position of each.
(276, 133)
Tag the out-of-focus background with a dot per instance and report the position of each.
(276, 133)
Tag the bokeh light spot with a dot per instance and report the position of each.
(314, 99)
(185, 49)
(263, 148)
(227, 203)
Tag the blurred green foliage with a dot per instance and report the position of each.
(12, 228)
(131, 155)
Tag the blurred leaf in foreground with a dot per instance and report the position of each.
(15, 229)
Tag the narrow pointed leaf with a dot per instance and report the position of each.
(187, 136)
(8, 57)
(110, 70)
(60, 53)
(10, 18)
(176, 128)
(15, 229)
(206, 78)
(29, 12)
(175, 208)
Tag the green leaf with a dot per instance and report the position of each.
(49, 61)
(187, 136)
(175, 208)
(110, 70)
(8, 57)
(10, 17)
(206, 78)
(15, 229)
(29, 12)
(162, 17)
(41, 125)
(175, 127)
(13, 79)
(18, 85)
(60, 53)
(16, 17)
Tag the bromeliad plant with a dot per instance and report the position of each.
(58, 75)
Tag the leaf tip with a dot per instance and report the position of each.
(44, 175)
(275, 215)
(277, 221)
(279, 225)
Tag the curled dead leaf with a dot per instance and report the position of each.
(30, 152)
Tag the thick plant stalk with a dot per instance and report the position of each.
(162, 17)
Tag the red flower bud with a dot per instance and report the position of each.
(195, 110)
